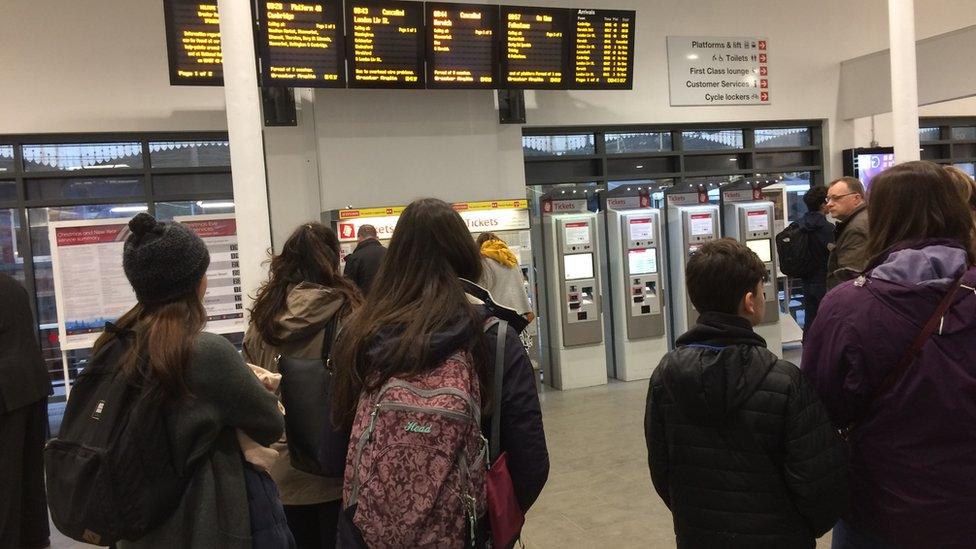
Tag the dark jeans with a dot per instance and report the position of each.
(314, 526)
(23, 503)
(846, 536)
(813, 293)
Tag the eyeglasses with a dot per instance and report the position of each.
(838, 197)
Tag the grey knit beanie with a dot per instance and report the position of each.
(163, 261)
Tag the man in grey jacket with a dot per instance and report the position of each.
(847, 204)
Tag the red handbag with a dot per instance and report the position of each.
(504, 513)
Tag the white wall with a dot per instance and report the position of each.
(100, 65)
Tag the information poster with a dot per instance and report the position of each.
(224, 299)
(301, 44)
(89, 283)
(715, 70)
(535, 47)
(386, 43)
(640, 229)
(757, 221)
(603, 49)
(193, 43)
(701, 224)
(577, 233)
(462, 45)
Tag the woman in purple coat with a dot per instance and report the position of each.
(913, 444)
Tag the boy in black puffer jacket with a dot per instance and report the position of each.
(739, 447)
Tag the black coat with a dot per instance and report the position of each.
(739, 447)
(23, 374)
(364, 262)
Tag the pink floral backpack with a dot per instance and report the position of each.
(415, 469)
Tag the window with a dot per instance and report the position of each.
(6, 158)
(166, 211)
(84, 187)
(638, 142)
(84, 156)
(783, 137)
(928, 134)
(11, 260)
(8, 191)
(189, 154)
(558, 145)
(965, 133)
(707, 140)
(193, 183)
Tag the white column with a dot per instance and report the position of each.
(904, 79)
(244, 126)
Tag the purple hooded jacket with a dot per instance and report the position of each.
(913, 453)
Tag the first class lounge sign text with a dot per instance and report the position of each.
(718, 70)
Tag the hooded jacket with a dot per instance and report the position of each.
(301, 329)
(823, 233)
(502, 277)
(913, 451)
(739, 447)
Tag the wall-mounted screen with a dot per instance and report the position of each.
(757, 221)
(603, 49)
(302, 44)
(701, 224)
(385, 43)
(193, 43)
(642, 261)
(763, 249)
(535, 47)
(576, 266)
(462, 45)
(869, 165)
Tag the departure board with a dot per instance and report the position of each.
(535, 47)
(603, 50)
(462, 45)
(302, 44)
(385, 43)
(193, 43)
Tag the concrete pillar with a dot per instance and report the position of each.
(904, 79)
(244, 127)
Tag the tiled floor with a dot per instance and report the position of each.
(599, 492)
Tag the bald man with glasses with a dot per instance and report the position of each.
(846, 203)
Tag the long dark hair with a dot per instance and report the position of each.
(164, 335)
(311, 254)
(916, 201)
(418, 294)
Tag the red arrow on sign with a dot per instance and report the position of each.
(764, 96)
(762, 44)
(763, 71)
(762, 57)
(764, 83)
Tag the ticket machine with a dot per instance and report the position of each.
(689, 227)
(752, 224)
(638, 291)
(576, 347)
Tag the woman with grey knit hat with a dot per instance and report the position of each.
(207, 390)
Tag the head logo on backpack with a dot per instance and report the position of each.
(110, 474)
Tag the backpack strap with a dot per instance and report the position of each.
(494, 446)
(332, 330)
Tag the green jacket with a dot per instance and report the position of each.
(847, 256)
(225, 395)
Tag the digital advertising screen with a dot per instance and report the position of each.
(535, 47)
(193, 43)
(385, 44)
(576, 266)
(462, 45)
(642, 261)
(869, 165)
(603, 50)
(763, 249)
(302, 44)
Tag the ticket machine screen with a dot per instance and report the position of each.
(640, 229)
(758, 221)
(763, 249)
(576, 266)
(642, 261)
(701, 224)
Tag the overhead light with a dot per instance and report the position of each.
(733, 159)
(639, 166)
(129, 209)
(564, 192)
(208, 205)
(628, 189)
(574, 191)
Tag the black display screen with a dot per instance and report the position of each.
(302, 44)
(193, 43)
(535, 47)
(385, 44)
(462, 45)
(603, 50)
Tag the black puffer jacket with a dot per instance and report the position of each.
(739, 447)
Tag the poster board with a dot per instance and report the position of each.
(224, 300)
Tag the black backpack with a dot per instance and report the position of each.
(795, 248)
(110, 473)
